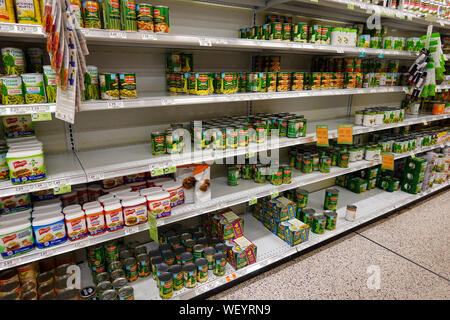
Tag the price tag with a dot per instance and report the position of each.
(62, 189)
(7, 27)
(252, 202)
(95, 176)
(345, 134)
(22, 189)
(205, 42)
(351, 6)
(380, 54)
(114, 104)
(274, 195)
(154, 172)
(153, 228)
(41, 116)
(168, 170)
(362, 53)
(339, 50)
(118, 34)
(387, 161)
(425, 123)
(27, 29)
(82, 244)
(249, 155)
(231, 277)
(47, 253)
(10, 263)
(130, 230)
(148, 36)
(322, 135)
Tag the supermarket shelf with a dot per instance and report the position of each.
(62, 169)
(371, 204)
(222, 196)
(159, 40)
(118, 161)
(165, 99)
(443, 87)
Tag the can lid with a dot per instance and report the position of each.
(168, 254)
(129, 261)
(165, 276)
(155, 260)
(162, 267)
(209, 251)
(189, 267)
(201, 262)
(186, 256)
(175, 269)
(125, 291)
(329, 213)
(109, 295)
(179, 250)
(87, 292)
(219, 256)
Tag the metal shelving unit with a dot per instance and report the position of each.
(371, 204)
(222, 196)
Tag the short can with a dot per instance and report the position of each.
(202, 269)
(131, 270)
(319, 222)
(331, 199)
(219, 264)
(190, 275)
(158, 143)
(126, 293)
(331, 219)
(109, 86)
(177, 277)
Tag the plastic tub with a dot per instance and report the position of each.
(176, 192)
(135, 210)
(49, 230)
(76, 225)
(16, 239)
(95, 220)
(113, 215)
(26, 165)
(159, 204)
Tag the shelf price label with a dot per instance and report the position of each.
(322, 135)
(154, 172)
(362, 52)
(231, 277)
(7, 27)
(148, 36)
(62, 189)
(114, 104)
(118, 34)
(41, 116)
(253, 201)
(387, 161)
(314, 0)
(351, 6)
(27, 29)
(274, 195)
(345, 134)
(380, 54)
(203, 42)
(153, 229)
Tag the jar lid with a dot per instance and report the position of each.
(133, 201)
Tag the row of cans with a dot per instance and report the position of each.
(297, 32)
(267, 63)
(321, 64)
(121, 15)
(230, 83)
(259, 173)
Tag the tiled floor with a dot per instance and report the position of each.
(409, 248)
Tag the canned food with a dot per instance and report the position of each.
(88, 292)
(331, 199)
(318, 225)
(158, 143)
(109, 295)
(190, 275)
(161, 19)
(143, 265)
(219, 264)
(116, 274)
(307, 216)
(165, 283)
(109, 86)
(208, 254)
(119, 283)
(111, 251)
(144, 17)
(331, 219)
(126, 293)
(128, 15)
(102, 287)
(131, 271)
(169, 257)
(177, 277)
(202, 269)
(233, 176)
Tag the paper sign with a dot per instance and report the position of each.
(41, 116)
(322, 135)
(387, 161)
(345, 134)
(314, 0)
(153, 228)
(62, 189)
(351, 6)
(252, 202)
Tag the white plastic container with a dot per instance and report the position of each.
(94, 192)
(105, 198)
(49, 230)
(135, 210)
(76, 225)
(72, 207)
(147, 191)
(16, 239)
(176, 192)
(95, 220)
(15, 218)
(26, 165)
(159, 204)
(113, 215)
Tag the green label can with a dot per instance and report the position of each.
(202, 83)
(331, 219)
(91, 83)
(208, 254)
(127, 85)
(344, 159)
(12, 90)
(232, 137)
(276, 177)
(318, 225)
(307, 165)
(253, 82)
(286, 32)
(202, 269)
(325, 164)
(91, 14)
(276, 31)
(307, 216)
(177, 277)
(301, 197)
(131, 269)
(144, 16)
(111, 14)
(50, 84)
(158, 143)
(143, 265)
(219, 264)
(96, 255)
(260, 174)
(287, 174)
(165, 280)
(233, 176)
(109, 86)
(242, 82)
(190, 275)
(161, 19)
(300, 32)
(126, 293)
(293, 129)
(331, 199)
(128, 15)
(111, 251)
(33, 87)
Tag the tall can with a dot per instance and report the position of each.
(111, 14)
(127, 85)
(91, 15)
(300, 32)
(161, 19)
(109, 86)
(91, 83)
(76, 9)
(50, 84)
(144, 16)
(128, 15)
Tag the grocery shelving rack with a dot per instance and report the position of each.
(98, 152)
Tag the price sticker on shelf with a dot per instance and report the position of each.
(7, 27)
(154, 172)
(168, 170)
(148, 36)
(27, 29)
(425, 123)
(339, 50)
(231, 277)
(153, 229)
(114, 104)
(62, 189)
(322, 135)
(387, 161)
(274, 195)
(314, 0)
(253, 201)
(249, 155)
(203, 42)
(118, 34)
(41, 116)
(47, 253)
(129, 231)
(380, 54)
(351, 6)
(362, 53)
(10, 263)
(345, 134)
(96, 176)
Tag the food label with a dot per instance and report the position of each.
(16, 242)
(51, 234)
(159, 208)
(95, 224)
(387, 161)
(345, 134)
(135, 214)
(18, 126)
(26, 169)
(16, 203)
(153, 228)
(114, 219)
(76, 229)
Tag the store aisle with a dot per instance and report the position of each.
(413, 262)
